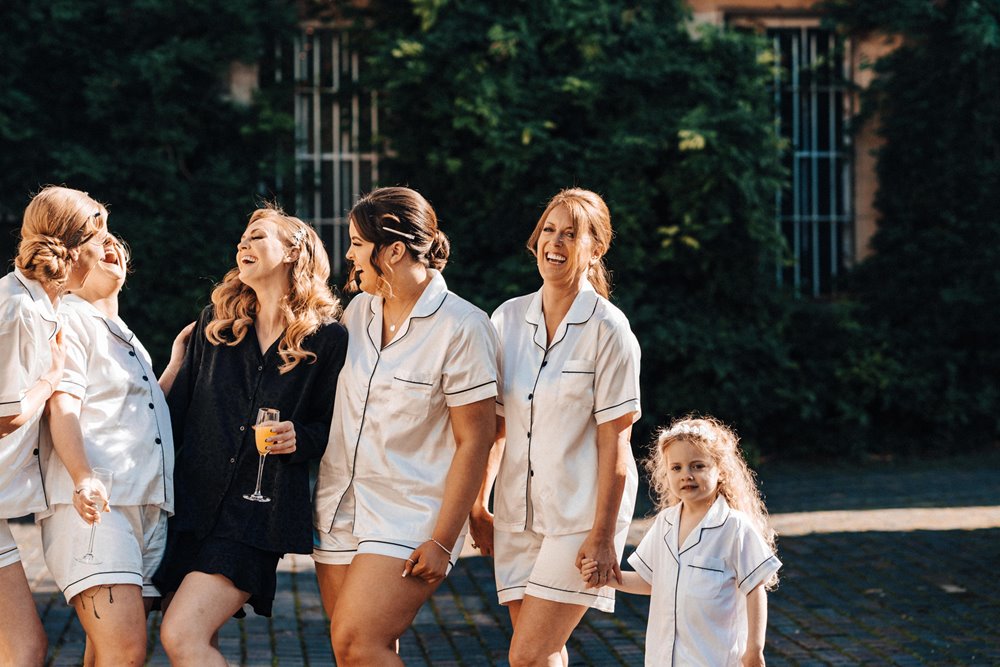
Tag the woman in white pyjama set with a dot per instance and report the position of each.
(110, 412)
(412, 427)
(567, 479)
(62, 239)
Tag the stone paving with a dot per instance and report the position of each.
(902, 582)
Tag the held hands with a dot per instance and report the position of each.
(283, 439)
(598, 554)
(429, 562)
(91, 498)
(481, 529)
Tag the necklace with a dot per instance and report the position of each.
(402, 313)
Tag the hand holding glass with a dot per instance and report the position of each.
(102, 477)
(266, 418)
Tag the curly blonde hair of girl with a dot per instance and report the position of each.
(56, 221)
(737, 482)
(308, 305)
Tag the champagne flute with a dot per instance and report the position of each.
(104, 477)
(262, 431)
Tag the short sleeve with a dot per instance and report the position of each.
(643, 560)
(755, 562)
(616, 385)
(470, 367)
(13, 335)
(76, 341)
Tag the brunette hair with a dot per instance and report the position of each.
(387, 215)
(57, 220)
(308, 305)
(737, 482)
(588, 212)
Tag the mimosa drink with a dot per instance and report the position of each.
(261, 433)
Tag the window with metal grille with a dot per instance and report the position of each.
(814, 212)
(336, 127)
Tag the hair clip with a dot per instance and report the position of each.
(297, 237)
(396, 231)
(697, 431)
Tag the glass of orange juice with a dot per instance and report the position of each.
(266, 419)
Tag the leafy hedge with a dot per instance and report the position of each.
(931, 292)
(491, 113)
(128, 100)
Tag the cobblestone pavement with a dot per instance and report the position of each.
(850, 594)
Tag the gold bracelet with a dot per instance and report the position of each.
(441, 545)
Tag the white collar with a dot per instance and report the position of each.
(716, 516)
(584, 305)
(116, 325)
(427, 304)
(41, 299)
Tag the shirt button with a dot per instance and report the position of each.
(529, 434)
(260, 368)
(544, 363)
(232, 460)
(131, 353)
(145, 377)
(150, 406)
(157, 441)
(531, 472)
(530, 396)
(243, 428)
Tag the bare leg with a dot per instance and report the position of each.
(22, 639)
(374, 608)
(330, 579)
(199, 608)
(114, 619)
(541, 629)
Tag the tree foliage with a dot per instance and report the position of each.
(491, 113)
(931, 292)
(129, 101)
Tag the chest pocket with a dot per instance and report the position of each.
(705, 577)
(576, 383)
(413, 393)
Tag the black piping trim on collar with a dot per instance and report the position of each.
(40, 314)
(113, 333)
(701, 533)
(565, 330)
(411, 318)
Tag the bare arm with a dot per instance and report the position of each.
(474, 427)
(177, 350)
(67, 440)
(756, 627)
(613, 449)
(481, 519)
(36, 396)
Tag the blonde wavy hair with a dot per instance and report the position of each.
(57, 220)
(589, 213)
(737, 482)
(308, 305)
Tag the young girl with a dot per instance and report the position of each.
(709, 555)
